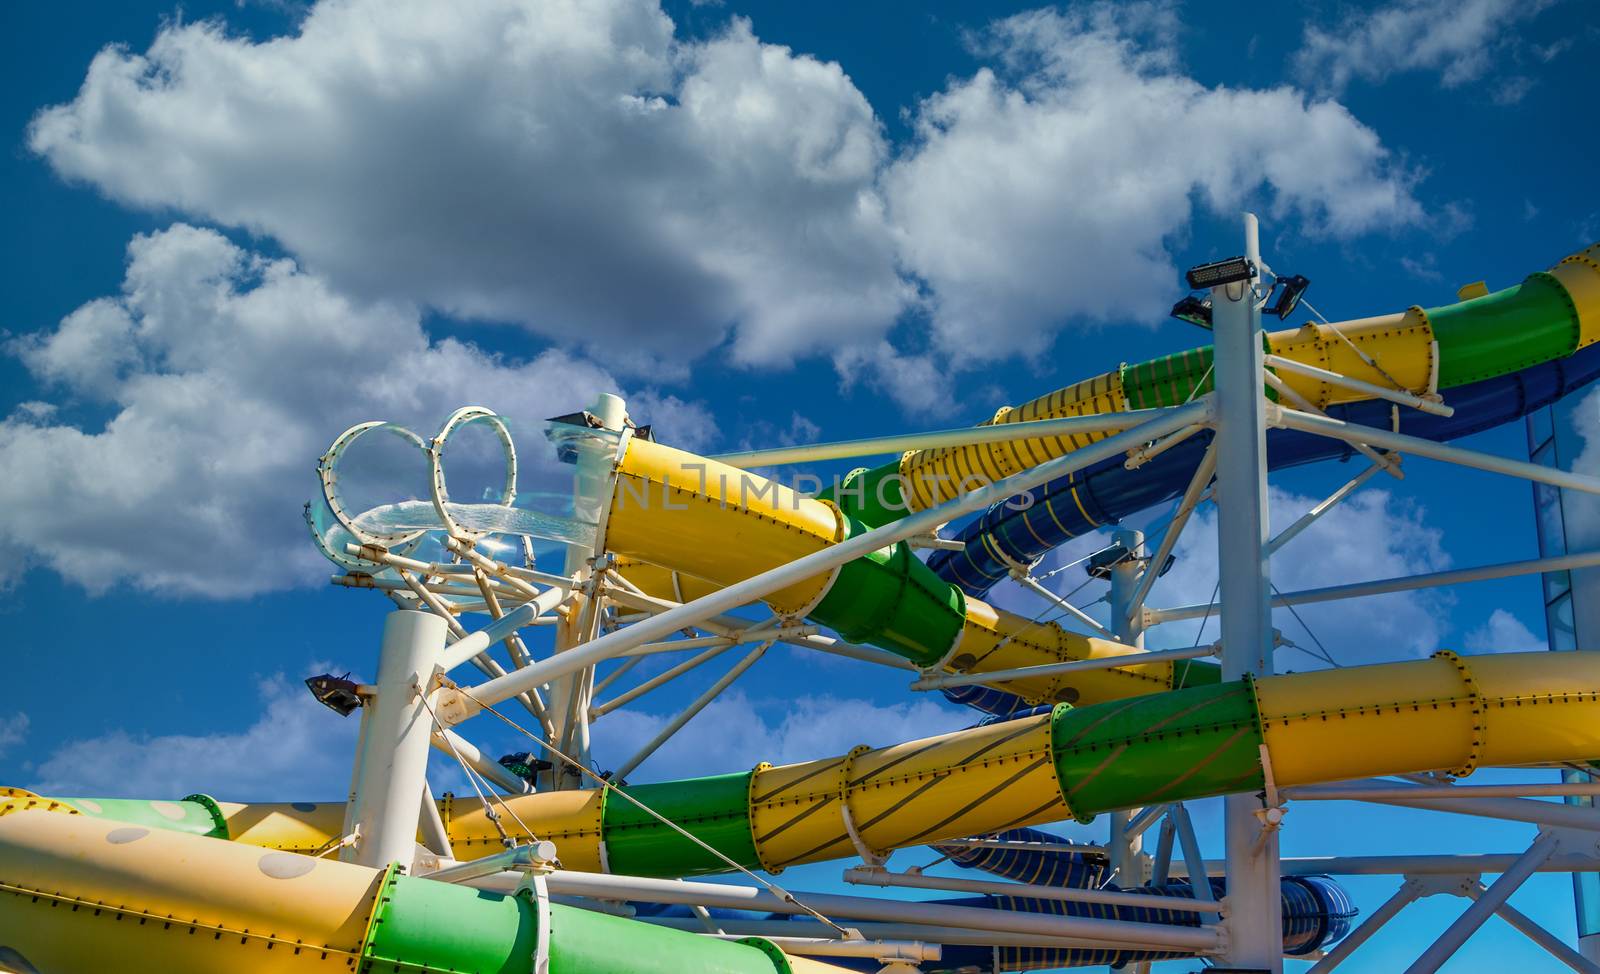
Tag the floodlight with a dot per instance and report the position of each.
(1289, 290)
(1196, 311)
(1230, 271)
(337, 693)
(525, 765)
(1102, 561)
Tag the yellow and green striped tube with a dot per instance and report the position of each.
(1447, 713)
(1548, 316)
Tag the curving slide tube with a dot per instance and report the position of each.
(1447, 713)
(77, 890)
(1021, 533)
(1421, 351)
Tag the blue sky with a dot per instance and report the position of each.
(252, 224)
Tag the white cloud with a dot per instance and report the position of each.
(1371, 535)
(735, 732)
(296, 749)
(230, 373)
(13, 731)
(567, 165)
(577, 168)
(1460, 39)
(1503, 633)
(1048, 189)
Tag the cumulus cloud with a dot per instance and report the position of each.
(1503, 633)
(225, 374)
(735, 732)
(570, 166)
(1371, 535)
(295, 749)
(578, 168)
(1047, 188)
(1460, 39)
(13, 731)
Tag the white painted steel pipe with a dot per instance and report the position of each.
(443, 739)
(1486, 903)
(887, 931)
(1398, 396)
(942, 680)
(1530, 928)
(882, 951)
(1155, 935)
(394, 765)
(1180, 518)
(885, 879)
(1375, 921)
(1447, 792)
(1418, 865)
(1383, 586)
(688, 713)
(1032, 584)
(819, 562)
(1333, 500)
(633, 693)
(900, 443)
(1352, 433)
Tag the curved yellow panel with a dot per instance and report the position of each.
(1403, 343)
(290, 826)
(994, 639)
(664, 583)
(668, 503)
(570, 819)
(1327, 726)
(904, 794)
(935, 476)
(76, 890)
(1538, 713)
(1580, 275)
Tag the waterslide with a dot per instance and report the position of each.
(1122, 738)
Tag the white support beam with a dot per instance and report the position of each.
(942, 680)
(962, 436)
(1531, 929)
(1383, 439)
(1254, 920)
(1333, 500)
(1032, 584)
(688, 713)
(1068, 894)
(1407, 894)
(1406, 583)
(1397, 396)
(1201, 940)
(1490, 900)
(1180, 518)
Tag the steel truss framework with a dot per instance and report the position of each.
(421, 699)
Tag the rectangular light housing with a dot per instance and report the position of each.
(1218, 273)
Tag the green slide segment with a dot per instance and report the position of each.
(196, 814)
(1162, 748)
(422, 927)
(1504, 332)
(892, 599)
(873, 496)
(715, 810)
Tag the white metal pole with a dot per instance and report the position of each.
(1254, 920)
(1403, 583)
(1531, 929)
(1468, 922)
(1403, 897)
(394, 764)
(571, 694)
(1068, 894)
(1127, 621)
(997, 433)
(605, 886)
(688, 713)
